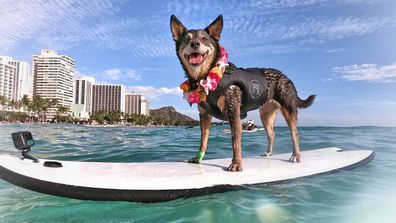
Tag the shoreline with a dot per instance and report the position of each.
(163, 126)
(94, 125)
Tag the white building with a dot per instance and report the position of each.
(144, 106)
(53, 78)
(14, 74)
(136, 104)
(23, 81)
(82, 105)
(7, 78)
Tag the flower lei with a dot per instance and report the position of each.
(208, 84)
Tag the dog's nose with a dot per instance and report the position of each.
(195, 44)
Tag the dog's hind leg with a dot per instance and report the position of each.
(204, 119)
(291, 120)
(267, 114)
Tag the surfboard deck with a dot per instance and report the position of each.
(163, 181)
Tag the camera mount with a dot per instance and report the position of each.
(24, 141)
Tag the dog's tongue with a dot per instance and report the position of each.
(195, 58)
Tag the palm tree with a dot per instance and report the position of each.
(113, 117)
(39, 106)
(25, 101)
(3, 101)
(35, 104)
(98, 116)
(54, 102)
(47, 104)
(14, 105)
(62, 110)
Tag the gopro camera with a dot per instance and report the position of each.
(24, 141)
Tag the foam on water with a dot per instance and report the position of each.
(365, 194)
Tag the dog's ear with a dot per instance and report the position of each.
(215, 28)
(177, 28)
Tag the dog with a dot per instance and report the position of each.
(270, 90)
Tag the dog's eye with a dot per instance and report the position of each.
(204, 39)
(186, 39)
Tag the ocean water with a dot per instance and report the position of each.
(364, 194)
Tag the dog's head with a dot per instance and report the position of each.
(198, 50)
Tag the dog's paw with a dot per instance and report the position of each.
(194, 160)
(295, 158)
(235, 166)
(266, 154)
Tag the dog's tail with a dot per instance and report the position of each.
(307, 102)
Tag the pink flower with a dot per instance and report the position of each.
(209, 84)
(223, 55)
(215, 74)
(194, 97)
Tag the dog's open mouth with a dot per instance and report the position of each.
(196, 59)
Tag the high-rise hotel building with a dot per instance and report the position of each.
(14, 78)
(90, 97)
(108, 97)
(53, 78)
(82, 102)
(7, 78)
(136, 104)
(23, 82)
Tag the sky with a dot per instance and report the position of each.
(343, 51)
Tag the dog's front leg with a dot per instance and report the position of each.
(204, 119)
(233, 99)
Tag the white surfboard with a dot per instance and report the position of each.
(162, 181)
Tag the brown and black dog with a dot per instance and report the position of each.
(198, 51)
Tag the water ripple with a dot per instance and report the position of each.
(364, 194)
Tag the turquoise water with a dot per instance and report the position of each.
(365, 194)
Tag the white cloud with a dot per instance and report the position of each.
(66, 24)
(117, 74)
(340, 28)
(196, 8)
(337, 50)
(267, 21)
(133, 75)
(280, 34)
(47, 22)
(366, 72)
(78, 75)
(113, 73)
(381, 103)
(153, 93)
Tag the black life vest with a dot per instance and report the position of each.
(251, 81)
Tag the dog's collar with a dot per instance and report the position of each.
(196, 92)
